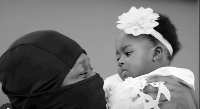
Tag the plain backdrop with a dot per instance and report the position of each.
(92, 23)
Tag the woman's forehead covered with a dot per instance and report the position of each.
(54, 42)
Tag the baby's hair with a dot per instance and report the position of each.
(168, 31)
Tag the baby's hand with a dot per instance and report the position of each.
(180, 96)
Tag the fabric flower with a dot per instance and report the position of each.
(138, 21)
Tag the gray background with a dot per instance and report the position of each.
(92, 23)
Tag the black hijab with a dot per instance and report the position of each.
(34, 67)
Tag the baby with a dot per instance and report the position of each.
(129, 93)
(144, 49)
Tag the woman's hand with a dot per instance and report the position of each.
(180, 95)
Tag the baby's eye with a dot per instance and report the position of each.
(128, 53)
(117, 59)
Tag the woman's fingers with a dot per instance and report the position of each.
(159, 78)
(177, 91)
(150, 89)
(165, 79)
(167, 105)
(175, 95)
(174, 90)
(169, 82)
(177, 104)
(162, 98)
(154, 96)
(170, 87)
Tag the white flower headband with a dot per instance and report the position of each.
(141, 21)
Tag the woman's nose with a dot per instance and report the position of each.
(91, 73)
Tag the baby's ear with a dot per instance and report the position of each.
(158, 52)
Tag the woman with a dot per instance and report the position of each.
(46, 69)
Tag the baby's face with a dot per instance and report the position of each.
(134, 55)
(80, 71)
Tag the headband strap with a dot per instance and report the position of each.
(158, 36)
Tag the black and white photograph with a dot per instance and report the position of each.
(99, 54)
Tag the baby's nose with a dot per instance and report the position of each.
(120, 63)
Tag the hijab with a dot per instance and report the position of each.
(34, 67)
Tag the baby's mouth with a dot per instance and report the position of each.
(124, 75)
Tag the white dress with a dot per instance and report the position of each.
(129, 94)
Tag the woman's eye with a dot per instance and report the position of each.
(84, 74)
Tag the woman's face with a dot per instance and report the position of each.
(81, 70)
(134, 55)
